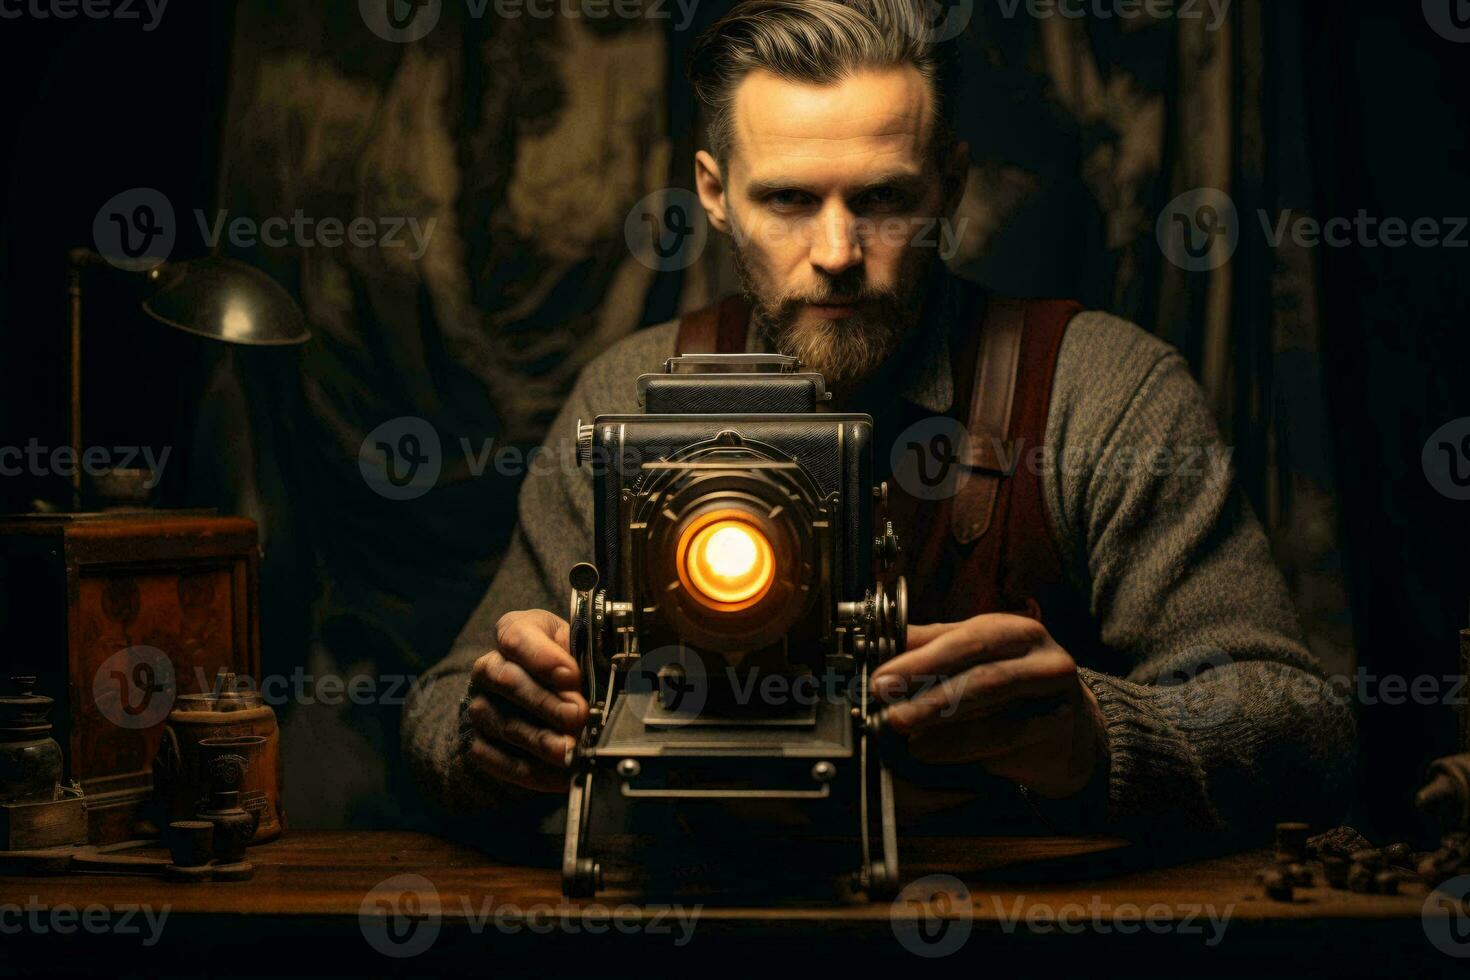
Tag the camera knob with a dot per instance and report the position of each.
(887, 545)
(584, 443)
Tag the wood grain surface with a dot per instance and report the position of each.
(330, 893)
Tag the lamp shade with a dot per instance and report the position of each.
(225, 300)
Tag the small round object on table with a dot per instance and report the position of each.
(1299, 875)
(1291, 842)
(190, 842)
(1335, 870)
(1277, 885)
(1360, 879)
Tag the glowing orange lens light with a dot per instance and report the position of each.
(729, 562)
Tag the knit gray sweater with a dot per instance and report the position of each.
(1223, 722)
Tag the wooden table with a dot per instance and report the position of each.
(354, 903)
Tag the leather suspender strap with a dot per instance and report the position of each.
(719, 328)
(991, 453)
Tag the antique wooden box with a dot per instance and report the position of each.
(118, 614)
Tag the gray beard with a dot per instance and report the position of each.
(847, 352)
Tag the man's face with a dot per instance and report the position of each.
(831, 193)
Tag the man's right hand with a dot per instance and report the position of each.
(526, 704)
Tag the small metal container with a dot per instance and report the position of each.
(30, 759)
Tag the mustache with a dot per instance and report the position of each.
(838, 291)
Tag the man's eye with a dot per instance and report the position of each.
(882, 199)
(789, 199)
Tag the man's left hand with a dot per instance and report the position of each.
(998, 690)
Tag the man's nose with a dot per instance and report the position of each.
(835, 246)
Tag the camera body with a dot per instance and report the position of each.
(735, 605)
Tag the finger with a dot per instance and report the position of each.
(985, 689)
(501, 723)
(921, 633)
(563, 710)
(511, 766)
(540, 642)
(989, 637)
(991, 739)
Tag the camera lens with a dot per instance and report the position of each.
(728, 562)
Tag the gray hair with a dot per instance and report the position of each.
(818, 42)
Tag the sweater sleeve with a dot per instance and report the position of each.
(553, 532)
(1223, 722)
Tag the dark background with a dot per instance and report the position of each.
(1329, 371)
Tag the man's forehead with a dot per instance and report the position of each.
(871, 119)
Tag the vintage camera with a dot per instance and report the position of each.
(735, 609)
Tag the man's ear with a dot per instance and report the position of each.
(956, 176)
(710, 184)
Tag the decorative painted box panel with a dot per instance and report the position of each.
(118, 614)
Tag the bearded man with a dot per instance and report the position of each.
(1117, 651)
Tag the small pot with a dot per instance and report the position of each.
(225, 762)
(30, 759)
(229, 712)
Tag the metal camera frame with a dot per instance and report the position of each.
(636, 738)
